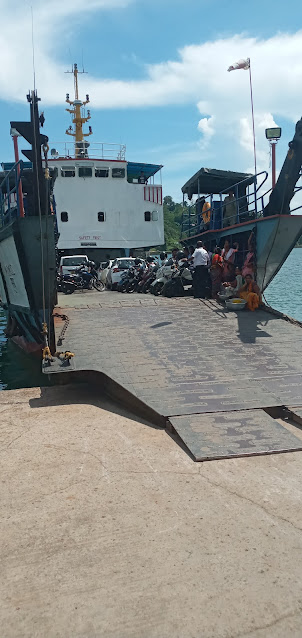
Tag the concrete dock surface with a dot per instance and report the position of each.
(110, 529)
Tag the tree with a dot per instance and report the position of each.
(173, 212)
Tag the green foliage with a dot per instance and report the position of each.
(172, 222)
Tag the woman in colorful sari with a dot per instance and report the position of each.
(248, 267)
(228, 256)
(250, 292)
(216, 272)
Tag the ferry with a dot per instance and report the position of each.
(80, 192)
(261, 221)
(106, 206)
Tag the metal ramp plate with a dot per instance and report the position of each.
(58, 366)
(296, 414)
(233, 434)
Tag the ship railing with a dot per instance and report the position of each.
(153, 193)
(85, 150)
(9, 194)
(248, 206)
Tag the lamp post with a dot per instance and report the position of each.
(273, 135)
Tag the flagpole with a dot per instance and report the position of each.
(253, 120)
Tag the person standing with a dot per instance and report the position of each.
(200, 276)
(228, 256)
(216, 272)
(229, 210)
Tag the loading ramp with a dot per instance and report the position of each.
(210, 374)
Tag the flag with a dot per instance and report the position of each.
(242, 64)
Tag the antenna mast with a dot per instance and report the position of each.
(76, 111)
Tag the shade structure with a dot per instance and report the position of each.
(212, 180)
(136, 169)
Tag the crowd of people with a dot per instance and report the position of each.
(227, 272)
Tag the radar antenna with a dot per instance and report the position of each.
(78, 117)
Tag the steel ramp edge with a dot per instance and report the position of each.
(295, 413)
(112, 388)
(213, 436)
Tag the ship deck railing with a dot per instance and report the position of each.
(83, 150)
(9, 194)
(249, 206)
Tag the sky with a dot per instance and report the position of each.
(157, 77)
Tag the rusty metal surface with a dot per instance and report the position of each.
(233, 434)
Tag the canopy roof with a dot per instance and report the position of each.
(135, 169)
(212, 180)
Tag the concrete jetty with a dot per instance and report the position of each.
(110, 529)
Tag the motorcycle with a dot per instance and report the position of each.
(87, 280)
(64, 285)
(147, 277)
(134, 278)
(121, 286)
(163, 274)
(181, 277)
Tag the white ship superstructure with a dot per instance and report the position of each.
(105, 205)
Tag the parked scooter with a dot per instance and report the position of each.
(163, 274)
(122, 284)
(145, 279)
(181, 277)
(151, 276)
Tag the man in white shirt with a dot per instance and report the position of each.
(200, 276)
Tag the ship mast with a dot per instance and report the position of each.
(76, 111)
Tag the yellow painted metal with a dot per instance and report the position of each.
(76, 112)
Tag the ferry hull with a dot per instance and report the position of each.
(276, 236)
(22, 265)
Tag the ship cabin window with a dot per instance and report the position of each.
(102, 172)
(155, 215)
(64, 216)
(118, 172)
(68, 171)
(85, 171)
(147, 216)
(101, 217)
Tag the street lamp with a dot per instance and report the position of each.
(273, 135)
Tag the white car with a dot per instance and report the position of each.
(70, 263)
(117, 267)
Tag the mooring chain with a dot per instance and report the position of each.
(63, 331)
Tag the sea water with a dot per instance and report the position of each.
(18, 370)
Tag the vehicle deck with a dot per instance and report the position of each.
(219, 379)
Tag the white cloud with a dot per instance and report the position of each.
(205, 126)
(197, 75)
